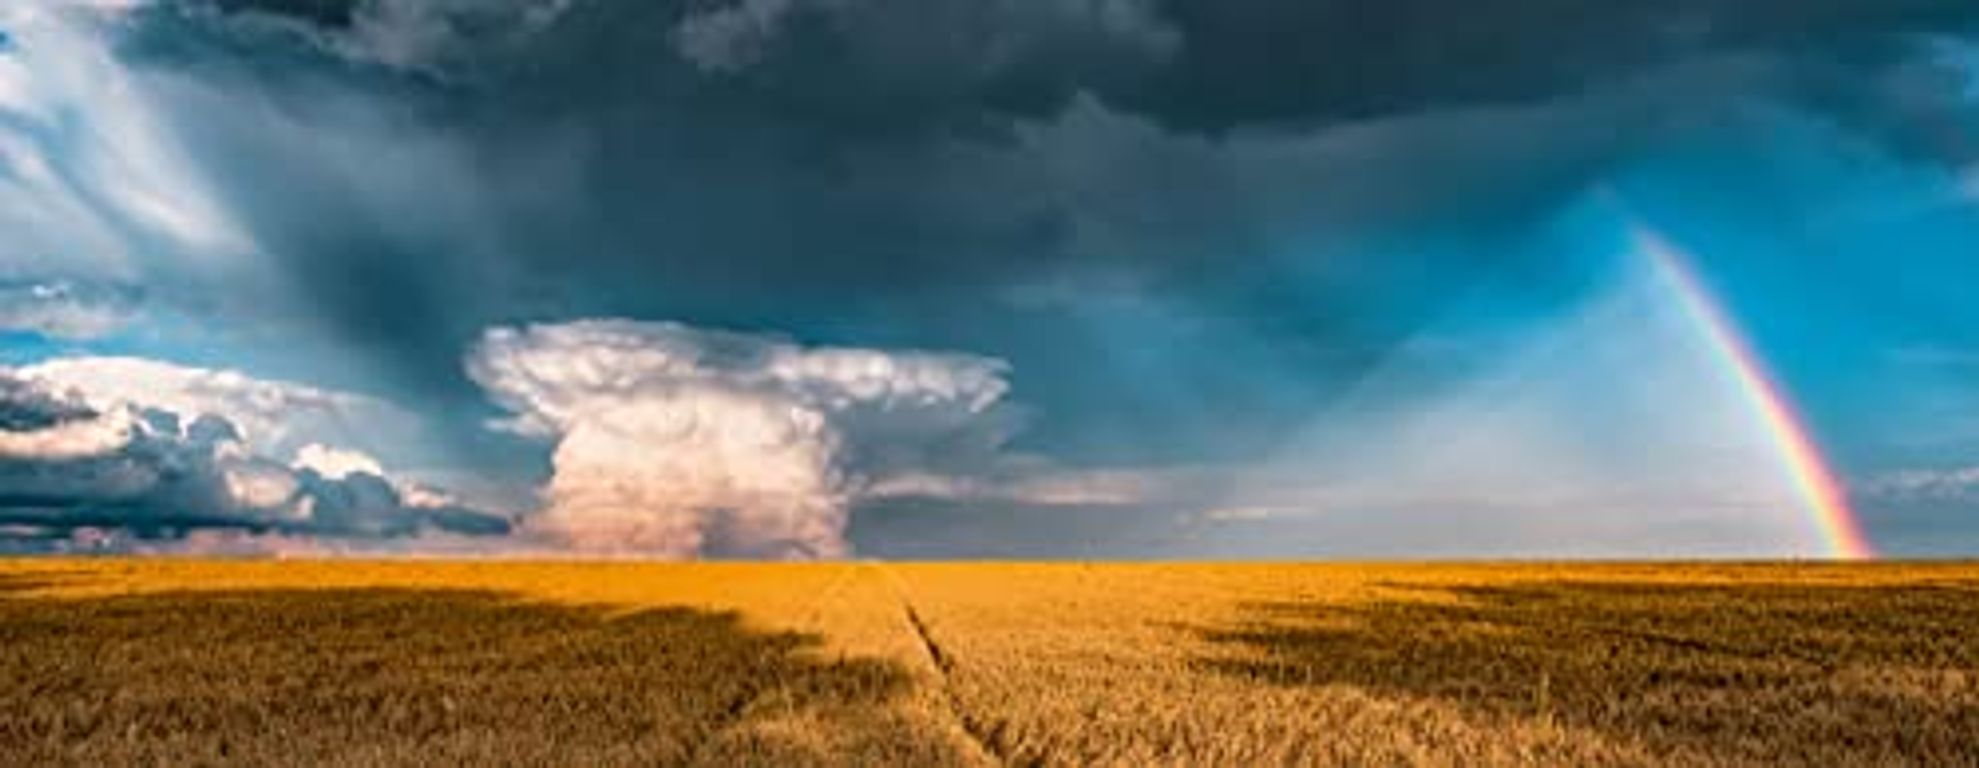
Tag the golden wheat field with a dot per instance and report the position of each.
(363, 663)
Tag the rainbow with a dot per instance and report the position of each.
(1827, 503)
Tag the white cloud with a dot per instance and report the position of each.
(1031, 481)
(676, 441)
(261, 485)
(333, 463)
(336, 463)
(1227, 515)
(277, 418)
(1955, 484)
(152, 472)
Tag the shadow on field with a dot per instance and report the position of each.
(1771, 672)
(16, 583)
(399, 676)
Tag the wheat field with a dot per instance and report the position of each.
(392, 663)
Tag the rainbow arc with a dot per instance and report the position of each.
(1800, 457)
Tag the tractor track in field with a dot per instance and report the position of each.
(981, 736)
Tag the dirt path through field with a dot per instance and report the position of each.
(941, 666)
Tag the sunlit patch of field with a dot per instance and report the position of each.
(172, 661)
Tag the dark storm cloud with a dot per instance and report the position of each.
(1200, 65)
(331, 14)
(1253, 61)
(802, 148)
(26, 407)
(894, 172)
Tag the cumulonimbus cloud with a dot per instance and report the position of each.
(675, 441)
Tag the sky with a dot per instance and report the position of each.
(796, 279)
